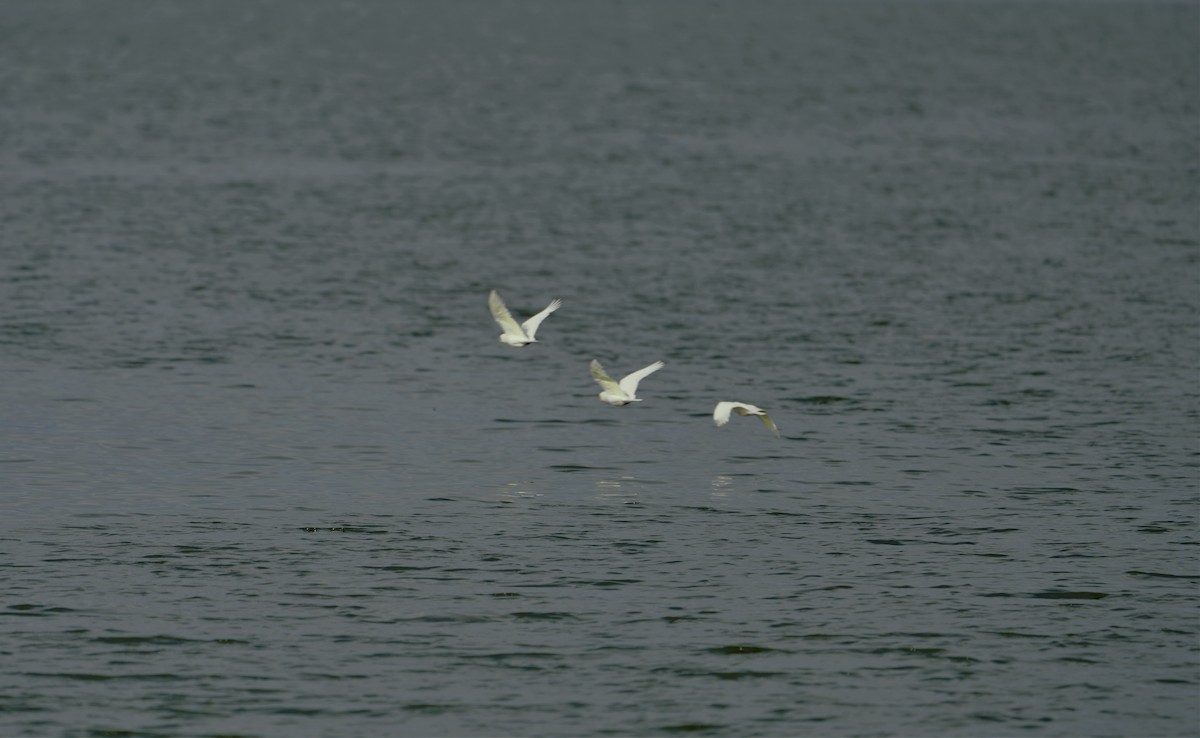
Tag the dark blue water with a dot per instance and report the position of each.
(265, 469)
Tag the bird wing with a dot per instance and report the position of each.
(530, 326)
(743, 408)
(606, 382)
(502, 316)
(721, 413)
(629, 383)
(766, 419)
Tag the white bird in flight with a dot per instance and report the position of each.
(722, 410)
(517, 334)
(625, 391)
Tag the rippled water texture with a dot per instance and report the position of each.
(265, 469)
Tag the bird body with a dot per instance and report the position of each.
(625, 391)
(723, 409)
(517, 334)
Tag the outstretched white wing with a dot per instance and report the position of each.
(530, 326)
(606, 382)
(721, 412)
(629, 383)
(766, 419)
(503, 317)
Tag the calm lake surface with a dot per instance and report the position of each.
(266, 471)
